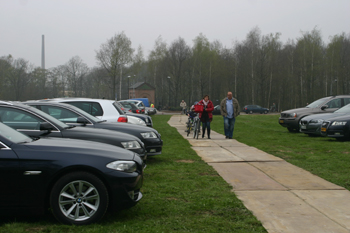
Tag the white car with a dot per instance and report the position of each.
(103, 109)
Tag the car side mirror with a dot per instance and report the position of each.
(82, 120)
(46, 126)
(324, 107)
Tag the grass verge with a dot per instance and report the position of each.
(322, 156)
(181, 194)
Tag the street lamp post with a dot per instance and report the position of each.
(169, 90)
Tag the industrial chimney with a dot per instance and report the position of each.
(43, 52)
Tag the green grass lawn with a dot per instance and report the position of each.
(181, 194)
(322, 156)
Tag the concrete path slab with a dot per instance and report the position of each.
(282, 211)
(215, 154)
(251, 154)
(243, 176)
(293, 177)
(326, 200)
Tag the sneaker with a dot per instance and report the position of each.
(226, 137)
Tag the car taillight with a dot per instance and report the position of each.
(123, 119)
(137, 111)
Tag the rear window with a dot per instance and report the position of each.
(121, 112)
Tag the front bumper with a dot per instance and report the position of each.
(124, 189)
(289, 122)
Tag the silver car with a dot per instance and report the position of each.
(311, 124)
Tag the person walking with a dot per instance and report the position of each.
(183, 105)
(206, 116)
(229, 108)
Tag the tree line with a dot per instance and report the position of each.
(258, 70)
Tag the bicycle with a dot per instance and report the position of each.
(189, 125)
(196, 127)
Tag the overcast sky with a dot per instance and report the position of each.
(79, 27)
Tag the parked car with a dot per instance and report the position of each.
(291, 118)
(77, 180)
(255, 109)
(139, 104)
(74, 116)
(216, 110)
(147, 119)
(35, 123)
(100, 108)
(129, 106)
(338, 127)
(311, 124)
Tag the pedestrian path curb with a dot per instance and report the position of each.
(285, 198)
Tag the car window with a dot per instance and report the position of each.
(346, 101)
(334, 103)
(317, 103)
(61, 114)
(92, 108)
(121, 112)
(19, 119)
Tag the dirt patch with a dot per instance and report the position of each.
(185, 161)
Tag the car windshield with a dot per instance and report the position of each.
(345, 109)
(13, 135)
(317, 103)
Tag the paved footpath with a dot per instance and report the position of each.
(285, 198)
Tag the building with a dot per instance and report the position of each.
(142, 90)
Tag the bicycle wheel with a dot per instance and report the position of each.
(197, 128)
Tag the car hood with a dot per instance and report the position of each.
(86, 132)
(74, 146)
(126, 127)
(324, 116)
(301, 110)
(340, 118)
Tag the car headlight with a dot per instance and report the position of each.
(149, 135)
(293, 115)
(131, 145)
(337, 123)
(141, 122)
(123, 166)
(316, 121)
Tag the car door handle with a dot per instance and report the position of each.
(29, 173)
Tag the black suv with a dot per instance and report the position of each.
(292, 117)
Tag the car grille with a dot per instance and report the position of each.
(284, 114)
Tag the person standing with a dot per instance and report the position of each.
(183, 105)
(229, 108)
(206, 116)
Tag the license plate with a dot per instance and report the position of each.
(281, 121)
(323, 129)
(303, 127)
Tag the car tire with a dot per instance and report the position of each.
(292, 130)
(265, 112)
(250, 112)
(79, 198)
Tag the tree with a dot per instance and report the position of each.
(177, 54)
(112, 56)
(75, 71)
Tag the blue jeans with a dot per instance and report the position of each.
(229, 125)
